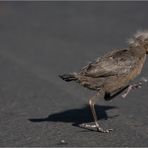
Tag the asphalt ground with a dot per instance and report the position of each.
(38, 41)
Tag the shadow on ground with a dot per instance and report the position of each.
(77, 116)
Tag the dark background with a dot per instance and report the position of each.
(38, 41)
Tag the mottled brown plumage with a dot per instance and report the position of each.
(113, 72)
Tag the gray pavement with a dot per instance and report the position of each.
(38, 41)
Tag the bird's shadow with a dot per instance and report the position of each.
(76, 116)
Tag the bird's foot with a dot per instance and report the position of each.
(95, 126)
(100, 129)
(132, 86)
(143, 79)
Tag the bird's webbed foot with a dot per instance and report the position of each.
(95, 127)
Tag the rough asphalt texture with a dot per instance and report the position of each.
(38, 41)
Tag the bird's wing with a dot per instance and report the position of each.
(114, 63)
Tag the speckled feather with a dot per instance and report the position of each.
(115, 63)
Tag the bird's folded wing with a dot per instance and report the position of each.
(115, 63)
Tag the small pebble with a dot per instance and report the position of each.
(62, 141)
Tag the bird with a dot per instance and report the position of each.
(111, 74)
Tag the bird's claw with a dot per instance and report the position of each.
(100, 129)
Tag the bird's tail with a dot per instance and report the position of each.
(68, 77)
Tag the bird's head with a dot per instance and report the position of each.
(140, 39)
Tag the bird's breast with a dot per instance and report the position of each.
(137, 69)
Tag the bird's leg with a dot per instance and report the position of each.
(132, 86)
(92, 107)
(110, 96)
